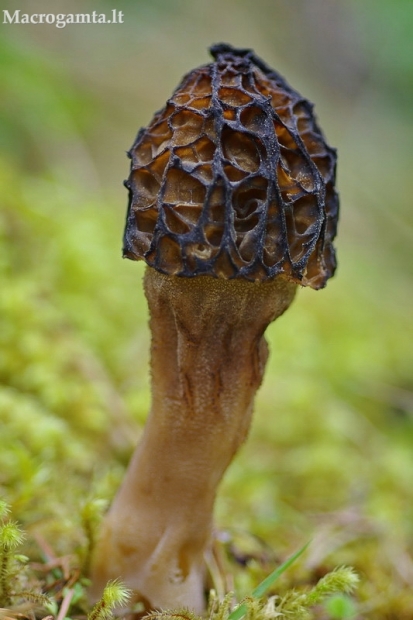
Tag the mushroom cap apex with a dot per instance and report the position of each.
(233, 178)
(219, 49)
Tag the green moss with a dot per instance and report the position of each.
(329, 455)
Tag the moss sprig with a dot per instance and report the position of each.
(298, 605)
(343, 579)
(179, 614)
(116, 594)
(11, 537)
(15, 585)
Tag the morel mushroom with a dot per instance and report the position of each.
(232, 205)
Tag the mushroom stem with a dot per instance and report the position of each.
(207, 359)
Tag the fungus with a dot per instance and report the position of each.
(232, 205)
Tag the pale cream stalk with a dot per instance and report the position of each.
(207, 360)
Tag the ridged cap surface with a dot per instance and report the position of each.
(233, 178)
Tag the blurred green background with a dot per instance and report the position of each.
(330, 453)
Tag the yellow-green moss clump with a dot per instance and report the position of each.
(329, 457)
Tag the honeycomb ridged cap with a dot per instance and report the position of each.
(233, 178)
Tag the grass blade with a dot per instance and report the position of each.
(265, 585)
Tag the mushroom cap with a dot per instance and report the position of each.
(233, 178)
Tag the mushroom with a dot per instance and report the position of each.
(232, 205)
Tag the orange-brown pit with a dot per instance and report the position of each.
(235, 124)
